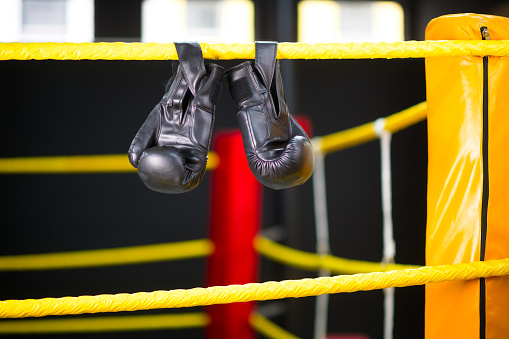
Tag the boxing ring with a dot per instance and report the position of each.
(355, 275)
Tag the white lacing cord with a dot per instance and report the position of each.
(322, 236)
(389, 245)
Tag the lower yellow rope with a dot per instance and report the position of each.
(114, 163)
(108, 257)
(268, 328)
(251, 292)
(105, 324)
(314, 262)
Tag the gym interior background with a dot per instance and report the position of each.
(96, 107)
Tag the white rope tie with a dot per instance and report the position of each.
(389, 245)
(322, 236)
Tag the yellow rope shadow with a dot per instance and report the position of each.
(108, 257)
(150, 322)
(115, 163)
(251, 292)
(314, 262)
(216, 51)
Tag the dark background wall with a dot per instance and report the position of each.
(96, 107)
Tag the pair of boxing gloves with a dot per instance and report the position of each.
(170, 149)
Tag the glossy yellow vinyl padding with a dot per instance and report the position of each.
(456, 177)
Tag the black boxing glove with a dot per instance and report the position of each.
(279, 152)
(170, 149)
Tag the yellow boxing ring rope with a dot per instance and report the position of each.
(314, 262)
(219, 51)
(251, 292)
(108, 257)
(105, 324)
(361, 134)
(108, 163)
(132, 323)
(268, 328)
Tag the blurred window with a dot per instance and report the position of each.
(46, 20)
(197, 20)
(350, 21)
(44, 16)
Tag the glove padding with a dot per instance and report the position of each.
(170, 149)
(279, 152)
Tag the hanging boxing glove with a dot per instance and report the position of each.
(170, 149)
(278, 150)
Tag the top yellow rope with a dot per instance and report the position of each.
(216, 51)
